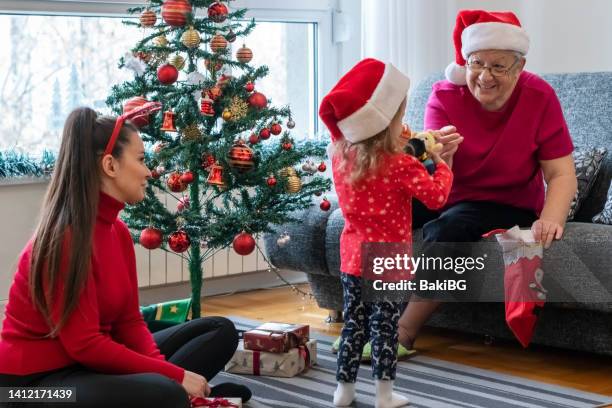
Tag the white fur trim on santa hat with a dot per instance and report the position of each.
(455, 74)
(493, 36)
(373, 117)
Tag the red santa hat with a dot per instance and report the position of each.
(364, 101)
(484, 30)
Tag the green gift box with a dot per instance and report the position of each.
(166, 314)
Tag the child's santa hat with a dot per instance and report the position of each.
(364, 101)
(484, 30)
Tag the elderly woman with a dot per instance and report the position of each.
(513, 138)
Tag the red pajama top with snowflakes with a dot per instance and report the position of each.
(379, 207)
(105, 333)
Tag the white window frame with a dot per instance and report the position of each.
(319, 12)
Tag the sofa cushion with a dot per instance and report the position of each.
(588, 161)
(605, 216)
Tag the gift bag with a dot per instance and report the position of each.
(523, 290)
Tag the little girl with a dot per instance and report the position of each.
(375, 182)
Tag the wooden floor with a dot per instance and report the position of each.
(578, 370)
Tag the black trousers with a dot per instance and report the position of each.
(461, 223)
(203, 346)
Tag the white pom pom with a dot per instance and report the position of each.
(455, 74)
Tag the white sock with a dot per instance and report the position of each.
(386, 398)
(344, 394)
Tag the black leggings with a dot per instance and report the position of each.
(203, 346)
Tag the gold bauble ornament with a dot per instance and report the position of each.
(191, 132)
(227, 115)
(294, 184)
(238, 107)
(177, 61)
(191, 38)
(161, 41)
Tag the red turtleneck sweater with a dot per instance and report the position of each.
(105, 333)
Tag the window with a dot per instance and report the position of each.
(58, 62)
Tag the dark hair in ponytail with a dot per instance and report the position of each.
(68, 215)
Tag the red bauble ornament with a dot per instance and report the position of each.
(187, 177)
(250, 87)
(174, 12)
(175, 184)
(258, 100)
(148, 18)
(218, 43)
(287, 146)
(271, 181)
(244, 54)
(253, 139)
(264, 133)
(167, 74)
(179, 241)
(218, 12)
(244, 243)
(241, 157)
(155, 174)
(151, 238)
(325, 205)
(132, 104)
(322, 167)
(183, 204)
(276, 129)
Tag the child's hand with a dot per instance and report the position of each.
(450, 140)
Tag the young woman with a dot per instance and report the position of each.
(72, 319)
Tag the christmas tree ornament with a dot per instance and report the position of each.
(191, 133)
(249, 87)
(158, 147)
(294, 184)
(240, 156)
(238, 107)
(195, 78)
(206, 106)
(151, 238)
(290, 123)
(168, 124)
(276, 129)
(283, 240)
(223, 80)
(215, 92)
(133, 63)
(215, 177)
(271, 181)
(160, 41)
(213, 66)
(264, 133)
(325, 205)
(175, 12)
(177, 61)
(218, 12)
(187, 177)
(287, 146)
(218, 43)
(191, 38)
(322, 167)
(179, 241)
(204, 245)
(244, 54)
(318, 193)
(243, 243)
(230, 36)
(309, 167)
(148, 18)
(208, 160)
(160, 169)
(142, 56)
(167, 74)
(183, 204)
(155, 174)
(133, 103)
(226, 115)
(175, 184)
(258, 100)
(253, 139)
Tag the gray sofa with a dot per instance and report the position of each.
(581, 262)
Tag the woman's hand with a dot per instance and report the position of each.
(196, 385)
(545, 231)
(450, 140)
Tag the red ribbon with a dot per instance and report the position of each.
(256, 363)
(212, 402)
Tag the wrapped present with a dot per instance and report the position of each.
(287, 364)
(216, 402)
(175, 311)
(276, 337)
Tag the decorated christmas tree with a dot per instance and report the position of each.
(219, 146)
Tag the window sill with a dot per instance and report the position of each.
(16, 181)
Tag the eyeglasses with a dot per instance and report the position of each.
(496, 70)
(142, 111)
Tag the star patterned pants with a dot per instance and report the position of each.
(373, 321)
